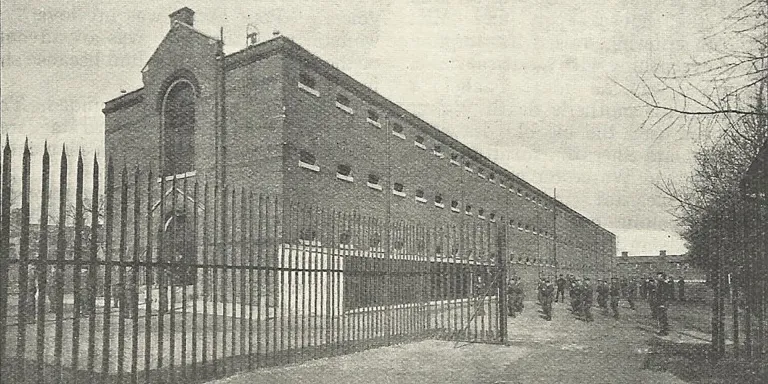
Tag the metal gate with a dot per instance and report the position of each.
(179, 280)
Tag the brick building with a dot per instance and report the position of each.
(273, 118)
(649, 265)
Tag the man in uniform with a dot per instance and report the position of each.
(652, 288)
(540, 291)
(511, 300)
(631, 293)
(560, 288)
(602, 293)
(661, 303)
(614, 292)
(519, 296)
(587, 291)
(575, 293)
(547, 296)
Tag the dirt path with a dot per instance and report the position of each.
(565, 350)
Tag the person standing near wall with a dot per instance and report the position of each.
(575, 294)
(631, 293)
(587, 292)
(547, 297)
(560, 288)
(615, 292)
(652, 288)
(661, 298)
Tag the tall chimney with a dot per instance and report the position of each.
(251, 35)
(183, 15)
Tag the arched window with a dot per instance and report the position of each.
(178, 122)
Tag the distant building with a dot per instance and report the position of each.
(649, 265)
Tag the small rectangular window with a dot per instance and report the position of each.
(343, 103)
(481, 213)
(344, 172)
(307, 157)
(492, 177)
(455, 206)
(455, 159)
(468, 209)
(373, 182)
(419, 142)
(344, 169)
(492, 217)
(373, 118)
(398, 130)
(398, 189)
(308, 84)
(439, 201)
(437, 150)
(307, 80)
(420, 196)
(481, 172)
(468, 166)
(307, 160)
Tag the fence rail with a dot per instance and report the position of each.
(179, 280)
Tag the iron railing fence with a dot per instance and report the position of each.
(182, 280)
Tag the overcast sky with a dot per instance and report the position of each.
(526, 83)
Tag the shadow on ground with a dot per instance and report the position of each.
(694, 363)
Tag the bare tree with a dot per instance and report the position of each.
(723, 97)
(713, 92)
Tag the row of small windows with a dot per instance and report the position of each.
(309, 84)
(344, 172)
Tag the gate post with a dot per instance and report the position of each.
(501, 270)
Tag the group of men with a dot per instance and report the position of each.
(581, 293)
(658, 291)
(676, 290)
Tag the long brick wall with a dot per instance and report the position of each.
(270, 116)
